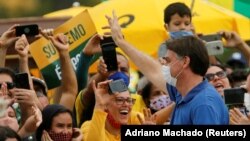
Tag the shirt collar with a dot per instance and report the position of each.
(194, 92)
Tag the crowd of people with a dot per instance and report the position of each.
(183, 86)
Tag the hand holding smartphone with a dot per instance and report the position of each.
(28, 30)
(214, 44)
(117, 86)
(234, 96)
(22, 80)
(109, 53)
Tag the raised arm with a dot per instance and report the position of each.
(22, 48)
(90, 129)
(234, 40)
(7, 40)
(146, 64)
(69, 82)
(88, 56)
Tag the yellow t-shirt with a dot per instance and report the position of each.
(137, 107)
(139, 103)
(94, 130)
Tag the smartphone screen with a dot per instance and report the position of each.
(117, 86)
(108, 42)
(22, 80)
(28, 30)
(234, 96)
(211, 37)
(110, 59)
(213, 44)
(109, 53)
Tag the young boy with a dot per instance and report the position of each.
(177, 19)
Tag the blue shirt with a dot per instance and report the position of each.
(203, 105)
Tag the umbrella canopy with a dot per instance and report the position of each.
(142, 20)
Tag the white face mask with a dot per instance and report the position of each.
(167, 75)
(160, 102)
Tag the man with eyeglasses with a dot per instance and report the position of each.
(197, 102)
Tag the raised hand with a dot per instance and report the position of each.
(232, 38)
(37, 116)
(149, 119)
(47, 32)
(33, 122)
(102, 96)
(8, 38)
(115, 28)
(93, 45)
(22, 46)
(60, 41)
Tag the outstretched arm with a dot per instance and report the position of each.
(69, 82)
(88, 56)
(146, 64)
(234, 40)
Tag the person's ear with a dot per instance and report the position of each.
(166, 26)
(186, 61)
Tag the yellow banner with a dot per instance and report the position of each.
(78, 29)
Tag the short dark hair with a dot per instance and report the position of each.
(180, 8)
(9, 72)
(6, 133)
(195, 49)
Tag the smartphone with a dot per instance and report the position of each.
(234, 97)
(22, 80)
(117, 86)
(109, 54)
(213, 44)
(211, 37)
(108, 42)
(28, 30)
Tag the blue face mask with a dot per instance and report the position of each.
(120, 75)
(180, 34)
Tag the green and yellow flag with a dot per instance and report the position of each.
(78, 30)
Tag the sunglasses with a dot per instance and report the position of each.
(219, 74)
(9, 85)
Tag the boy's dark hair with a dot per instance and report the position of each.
(180, 8)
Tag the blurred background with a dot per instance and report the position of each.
(31, 8)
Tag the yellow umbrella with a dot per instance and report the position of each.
(209, 18)
(142, 20)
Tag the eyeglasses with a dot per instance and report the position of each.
(121, 101)
(9, 85)
(211, 76)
